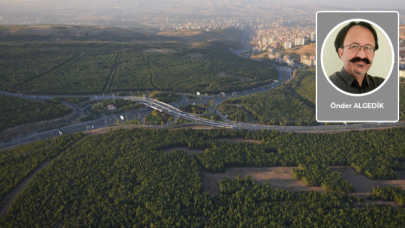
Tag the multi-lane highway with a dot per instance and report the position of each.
(173, 109)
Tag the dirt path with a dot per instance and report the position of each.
(20, 187)
(115, 70)
(111, 72)
(150, 73)
(277, 177)
(363, 184)
(280, 177)
(55, 67)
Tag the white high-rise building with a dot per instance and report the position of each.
(300, 41)
(313, 37)
(288, 44)
(303, 41)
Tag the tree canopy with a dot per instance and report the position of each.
(123, 179)
(17, 111)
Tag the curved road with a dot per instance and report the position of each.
(172, 109)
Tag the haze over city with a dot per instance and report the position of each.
(133, 12)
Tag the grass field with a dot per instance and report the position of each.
(303, 50)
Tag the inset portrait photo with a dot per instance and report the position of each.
(357, 57)
(357, 69)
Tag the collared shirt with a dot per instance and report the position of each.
(348, 83)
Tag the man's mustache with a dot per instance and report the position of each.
(358, 59)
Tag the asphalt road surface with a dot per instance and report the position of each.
(173, 109)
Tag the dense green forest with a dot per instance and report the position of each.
(395, 194)
(21, 62)
(380, 153)
(280, 106)
(197, 69)
(402, 102)
(17, 111)
(378, 159)
(292, 103)
(304, 84)
(234, 112)
(17, 163)
(85, 74)
(123, 179)
(89, 67)
(133, 73)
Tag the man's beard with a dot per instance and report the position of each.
(363, 72)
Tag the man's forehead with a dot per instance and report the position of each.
(359, 34)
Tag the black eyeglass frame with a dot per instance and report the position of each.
(364, 47)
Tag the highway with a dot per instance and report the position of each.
(173, 109)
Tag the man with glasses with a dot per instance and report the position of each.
(356, 44)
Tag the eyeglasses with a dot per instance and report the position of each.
(356, 47)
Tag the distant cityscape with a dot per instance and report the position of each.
(271, 28)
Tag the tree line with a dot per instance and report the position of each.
(395, 194)
(320, 175)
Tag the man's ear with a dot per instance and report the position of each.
(340, 52)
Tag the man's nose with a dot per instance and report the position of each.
(361, 53)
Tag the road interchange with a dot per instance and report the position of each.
(173, 109)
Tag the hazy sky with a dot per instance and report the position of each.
(37, 5)
(339, 3)
(362, 3)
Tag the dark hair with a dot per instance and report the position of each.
(342, 34)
